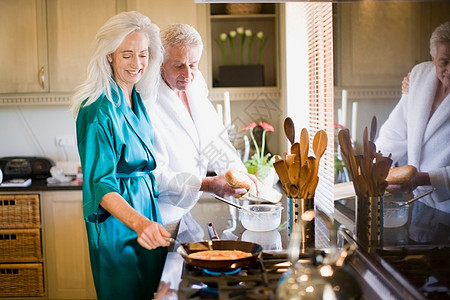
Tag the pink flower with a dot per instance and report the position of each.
(266, 126)
(250, 126)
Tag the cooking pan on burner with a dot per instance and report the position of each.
(215, 244)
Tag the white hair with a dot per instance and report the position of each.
(99, 72)
(183, 35)
(441, 35)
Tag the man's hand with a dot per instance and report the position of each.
(218, 185)
(405, 84)
(421, 178)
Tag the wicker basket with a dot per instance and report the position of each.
(20, 245)
(21, 280)
(19, 211)
(243, 8)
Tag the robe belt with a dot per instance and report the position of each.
(141, 174)
(134, 174)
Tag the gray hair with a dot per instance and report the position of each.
(108, 39)
(183, 35)
(441, 35)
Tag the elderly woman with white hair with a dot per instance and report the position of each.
(417, 131)
(114, 133)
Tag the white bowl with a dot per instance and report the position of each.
(265, 217)
(393, 215)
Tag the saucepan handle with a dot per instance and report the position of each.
(212, 232)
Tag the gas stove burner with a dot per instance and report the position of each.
(219, 273)
(257, 281)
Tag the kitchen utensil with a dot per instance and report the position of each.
(395, 213)
(368, 219)
(268, 217)
(373, 133)
(306, 230)
(347, 151)
(282, 171)
(319, 146)
(234, 204)
(304, 145)
(170, 240)
(220, 265)
(271, 196)
(373, 129)
(289, 129)
(416, 198)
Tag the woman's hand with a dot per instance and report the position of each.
(151, 234)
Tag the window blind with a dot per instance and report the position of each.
(321, 94)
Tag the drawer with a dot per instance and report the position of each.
(20, 245)
(21, 280)
(19, 211)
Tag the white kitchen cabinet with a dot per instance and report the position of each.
(46, 44)
(68, 272)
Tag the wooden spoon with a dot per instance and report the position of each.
(282, 171)
(304, 145)
(347, 150)
(373, 133)
(367, 163)
(289, 129)
(294, 172)
(373, 129)
(320, 144)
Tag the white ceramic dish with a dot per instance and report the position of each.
(394, 215)
(265, 217)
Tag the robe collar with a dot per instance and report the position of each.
(422, 127)
(135, 117)
(180, 113)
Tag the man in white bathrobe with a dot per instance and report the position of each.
(417, 131)
(189, 138)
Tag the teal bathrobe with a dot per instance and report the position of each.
(116, 152)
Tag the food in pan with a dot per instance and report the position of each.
(399, 175)
(219, 255)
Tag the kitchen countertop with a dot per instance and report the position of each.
(426, 227)
(38, 185)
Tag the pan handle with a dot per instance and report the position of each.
(212, 232)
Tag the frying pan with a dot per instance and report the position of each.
(215, 244)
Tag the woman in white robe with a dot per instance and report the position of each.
(417, 131)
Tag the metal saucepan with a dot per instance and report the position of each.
(220, 265)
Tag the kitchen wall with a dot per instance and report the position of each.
(32, 129)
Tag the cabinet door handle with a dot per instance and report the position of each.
(42, 77)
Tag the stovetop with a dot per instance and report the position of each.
(257, 281)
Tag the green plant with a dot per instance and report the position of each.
(260, 164)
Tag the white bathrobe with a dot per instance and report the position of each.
(186, 148)
(414, 138)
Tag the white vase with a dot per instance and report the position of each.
(270, 179)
